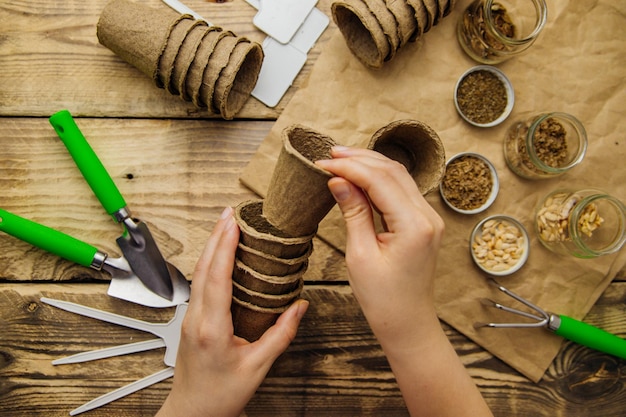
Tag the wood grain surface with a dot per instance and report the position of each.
(177, 167)
(335, 367)
(50, 58)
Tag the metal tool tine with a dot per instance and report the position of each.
(126, 349)
(124, 391)
(507, 325)
(527, 303)
(491, 303)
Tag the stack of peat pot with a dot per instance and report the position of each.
(276, 236)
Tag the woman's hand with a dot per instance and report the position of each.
(217, 373)
(391, 273)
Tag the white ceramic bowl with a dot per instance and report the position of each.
(509, 92)
(506, 266)
(494, 189)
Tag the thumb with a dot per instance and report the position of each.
(356, 210)
(278, 337)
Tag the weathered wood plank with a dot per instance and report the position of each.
(50, 59)
(176, 175)
(333, 368)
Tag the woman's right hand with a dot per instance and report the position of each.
(391, 272)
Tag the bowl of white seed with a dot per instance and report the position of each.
(499, 245)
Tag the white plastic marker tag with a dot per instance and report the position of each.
(283, 62)
(281, 19)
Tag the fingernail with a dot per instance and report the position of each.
(303, 306)
(340, 190)
(340, 148)
(228, 211)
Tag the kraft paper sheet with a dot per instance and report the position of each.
(578, 66)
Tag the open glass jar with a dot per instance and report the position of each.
(584, 223)
(544, 145)
(492, 31)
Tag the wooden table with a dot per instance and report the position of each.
(177, 168)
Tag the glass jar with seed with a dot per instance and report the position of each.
(584, 223)
(492, 31)
(544, 145)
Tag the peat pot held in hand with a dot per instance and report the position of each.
(416, 146)
(257, 233)
(298, 197)
(267, 284)
(250, 321)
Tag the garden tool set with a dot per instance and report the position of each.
(564, 326)
(169, 337)
(141, 275)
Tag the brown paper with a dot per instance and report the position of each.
(578, 65)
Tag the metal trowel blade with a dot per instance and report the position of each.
(145, 259)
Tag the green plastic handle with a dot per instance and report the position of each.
(90, 166)
(47, 239)
(592, 337)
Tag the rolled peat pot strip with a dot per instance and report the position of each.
(136, 33)
(250, 321)
(374, 30)
(238, 79)
(266, 300)
(270, 264)
(175, 38)
(210, 67)
(416, 146)
(257, 233)
(182, 54)
(185, 57)
(267, 284)
(298, 197)
(363, 34)
(405, 16)
(200, 61)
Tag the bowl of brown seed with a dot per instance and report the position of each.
(484, 96)
(499, 245)
(470, 183)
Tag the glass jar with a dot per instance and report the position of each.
(585, 223)
(491, 31)
(544, 145)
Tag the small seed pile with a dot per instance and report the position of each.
(553, 218)
(549, 143)
(483, 41)
(481, 96)
(467, 182)
(499, 245)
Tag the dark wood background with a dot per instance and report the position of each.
(49, 60)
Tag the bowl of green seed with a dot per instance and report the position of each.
(484, 96)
